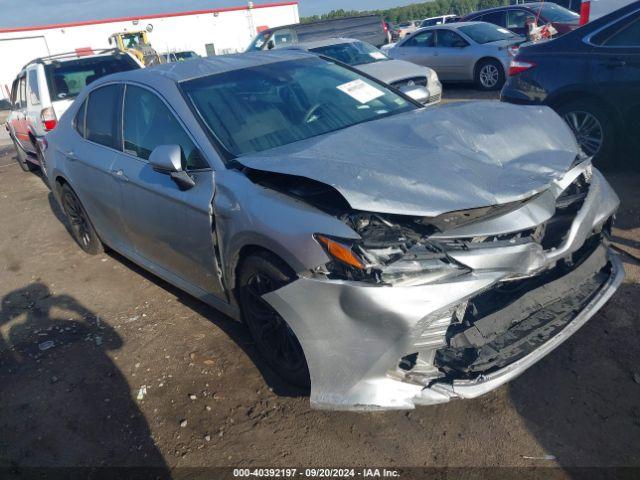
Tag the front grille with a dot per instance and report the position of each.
(434, 98)
(410, 82)
(512, 319)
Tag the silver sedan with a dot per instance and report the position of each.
(462, 52)
(420, 83)
(384, 254)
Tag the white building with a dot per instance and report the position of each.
(207, 32)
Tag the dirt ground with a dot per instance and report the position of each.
(102, 363)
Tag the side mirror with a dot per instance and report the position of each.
(167, 159)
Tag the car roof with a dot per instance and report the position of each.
(508, 7)
(202, 67)
(74, 56)
(325, 43)
(451, 26)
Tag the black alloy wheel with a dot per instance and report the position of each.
(79, 223)
(260, 274)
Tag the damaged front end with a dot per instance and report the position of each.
(422, 310)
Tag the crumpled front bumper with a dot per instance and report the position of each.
(354, 334)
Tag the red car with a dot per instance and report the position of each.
(517, 17)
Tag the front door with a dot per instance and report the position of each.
(170, 228)
(616, 70)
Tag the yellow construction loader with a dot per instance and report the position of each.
(136, 43)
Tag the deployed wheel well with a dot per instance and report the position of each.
(246, 252)
(563, 99)
(485, 59)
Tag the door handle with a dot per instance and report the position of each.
(71, 155)
(119, 174)
(615, 63)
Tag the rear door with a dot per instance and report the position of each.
(19, 122)
(420, 48)
(90, 158)
(453, 55)
(170, 228)
(616, 70)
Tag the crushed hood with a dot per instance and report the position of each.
(433, 161)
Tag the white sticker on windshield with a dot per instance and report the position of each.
(378, 55)
(360, 91)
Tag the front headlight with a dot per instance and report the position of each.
(390, 263)
(433, 77)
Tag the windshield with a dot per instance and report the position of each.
(185, 55)
(486, 32)
(555, 13)
(264, 107)
(354, 53)
(66, 79)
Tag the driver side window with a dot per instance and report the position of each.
(148, 123)
(424, 39)
(519, 18)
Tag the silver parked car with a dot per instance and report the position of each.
(462, 52)
(386, 254)
(420, 83)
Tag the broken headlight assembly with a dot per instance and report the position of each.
(388, 253)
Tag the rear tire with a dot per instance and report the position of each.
(80, 225)
(489, 75)
(21, 155)
(259, 274)
(593, 128)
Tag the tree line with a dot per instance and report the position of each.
(415, 11)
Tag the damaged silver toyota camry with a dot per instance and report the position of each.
(383, 254)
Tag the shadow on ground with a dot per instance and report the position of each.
(582, 402)
(64, 402)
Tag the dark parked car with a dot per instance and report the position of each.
(591, 77)
(516, 17)
(366, 28)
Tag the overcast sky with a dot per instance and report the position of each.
(15, 13)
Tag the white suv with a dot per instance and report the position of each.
(46, 87)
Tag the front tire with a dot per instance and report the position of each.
(259, 274)
(79, 223)
(593, 128)
(489, 75)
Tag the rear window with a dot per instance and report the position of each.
(33, 89)
(67, 78)
(555, 13)
(102, 117)
(486, 33)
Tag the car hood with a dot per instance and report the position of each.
(390, 71)
(432, 161)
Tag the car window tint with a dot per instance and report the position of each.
(102, 115)
(66, 79)
(14, 93)
(424, 39)
(34, 91)
(79, 119)
(519, 18)
(447, 38)
(148, 123)
(629, 36)
(497, 18)
(23, 92)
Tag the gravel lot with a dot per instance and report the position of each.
(103, 364)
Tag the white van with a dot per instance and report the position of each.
(592, 9)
